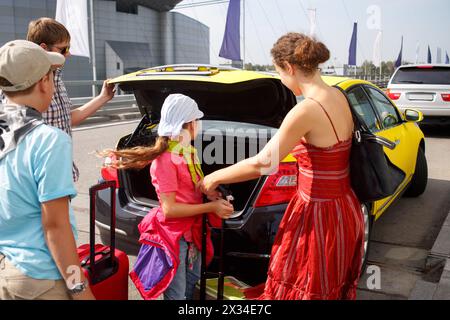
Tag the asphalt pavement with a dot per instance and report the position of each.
(410, 243)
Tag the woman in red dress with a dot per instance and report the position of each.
(317, 253)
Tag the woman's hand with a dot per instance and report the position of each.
(211, 195)
(223, 209)
(208, 185)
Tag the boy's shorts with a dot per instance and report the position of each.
(14, 285)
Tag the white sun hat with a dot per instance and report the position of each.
(177, 110)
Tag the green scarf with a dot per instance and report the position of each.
(189, 153)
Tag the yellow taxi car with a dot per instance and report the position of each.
(243, 110)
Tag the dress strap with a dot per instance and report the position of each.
(329, 118)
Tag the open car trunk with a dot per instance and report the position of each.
(231, 109)
(218, 141)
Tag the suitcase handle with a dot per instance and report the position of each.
(92, 195)
(88, 258)
(226, 195)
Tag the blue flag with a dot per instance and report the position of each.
(429, 60)
(447, 60)
(398, 63)
(353, 44)
(231, 45)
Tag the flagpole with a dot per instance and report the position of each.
(381, 54)
(243, 58)
(93, 58)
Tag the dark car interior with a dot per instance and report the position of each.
(259, 102)
(138, 182)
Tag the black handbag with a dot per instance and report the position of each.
(373, 176)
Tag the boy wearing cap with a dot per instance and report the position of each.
(54, 37)
(38, 257)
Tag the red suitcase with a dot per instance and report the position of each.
(108, 275)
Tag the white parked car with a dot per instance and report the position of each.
(422, 87)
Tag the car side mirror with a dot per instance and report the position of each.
(413, 115)
(389, 120)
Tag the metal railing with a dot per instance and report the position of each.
(380, 81)
(118, 100)
(121, 107)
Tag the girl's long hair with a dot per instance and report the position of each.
(137, 157)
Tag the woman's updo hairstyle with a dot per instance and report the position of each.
(300, 50)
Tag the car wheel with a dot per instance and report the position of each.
(420, 177)
(368, 220)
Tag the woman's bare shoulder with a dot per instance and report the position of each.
(339, 96)
(304, 112)
(304, 106)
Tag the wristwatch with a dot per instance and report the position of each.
(78, 288)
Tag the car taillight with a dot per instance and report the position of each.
(108, 173)
(279, 187)
(393, 95)
(446, 97)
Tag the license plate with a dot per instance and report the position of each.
(421, 97)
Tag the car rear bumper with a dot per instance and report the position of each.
(247, 240)
(128, 216)
(443, 111)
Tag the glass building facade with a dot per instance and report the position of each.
(129, 35)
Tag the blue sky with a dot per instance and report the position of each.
(426, 22)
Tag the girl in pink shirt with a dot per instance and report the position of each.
(169, 260)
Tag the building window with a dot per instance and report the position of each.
(118, 65)
(126, 7)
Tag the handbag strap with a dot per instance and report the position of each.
(360, 126)
(361, 130)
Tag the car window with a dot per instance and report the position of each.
(423, 75)
(387, 112)
(362, 106)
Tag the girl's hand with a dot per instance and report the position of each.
(213, 196)
(223, 209)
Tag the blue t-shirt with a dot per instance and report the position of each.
(37, 171)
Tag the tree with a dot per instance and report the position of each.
(258, 67)
(367, 68)
(388, 67)
(249, 67)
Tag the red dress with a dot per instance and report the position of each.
(317, 253)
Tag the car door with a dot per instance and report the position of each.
(393, 128)
(362, 103)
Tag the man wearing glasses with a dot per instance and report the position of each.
(54, 37)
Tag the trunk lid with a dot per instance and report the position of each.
(222, 93)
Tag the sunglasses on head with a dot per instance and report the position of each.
(63, 50)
